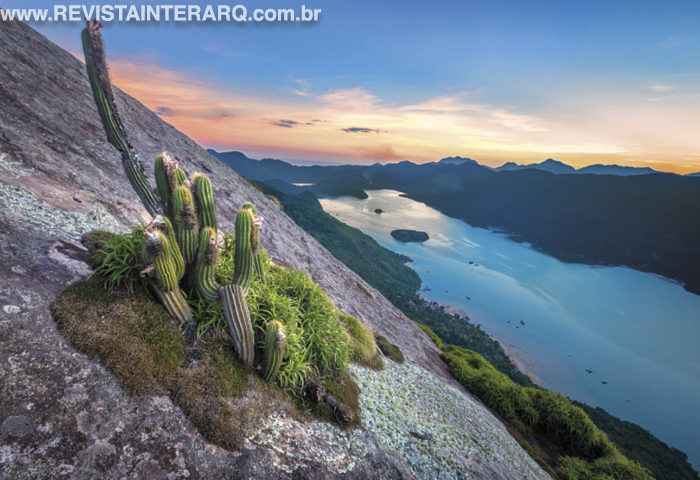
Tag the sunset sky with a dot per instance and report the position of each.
(583, 82)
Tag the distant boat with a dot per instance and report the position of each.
(522, 322)
(471, 263)
(589, 370)
(628, 400)
(445, 291)
(604, 382)
(468, 297)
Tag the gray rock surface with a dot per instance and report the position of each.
(62, 414)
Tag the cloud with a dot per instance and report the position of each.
(284, 123)
(362, 130)
(164, 111)
(660, 88)
(676, 40)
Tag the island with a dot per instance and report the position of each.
(409, 236)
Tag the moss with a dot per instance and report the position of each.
(132, 335)
(138, 341)
(255, 185)
(390, 350)
(220, 397)
(275, 201)
(347, 392)
(432, 335)
(363, 349)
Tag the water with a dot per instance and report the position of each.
(636, 331)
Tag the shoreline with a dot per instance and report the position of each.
(524, 364)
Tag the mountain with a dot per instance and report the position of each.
(549, 165)
(63, 413)
(621, 170)
(559, 168)
(697, 174)
(648, 222)
(457, 161)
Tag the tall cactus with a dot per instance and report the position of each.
(185, 219)
(111, 121)
(256, 247)
(275, 340)
(204, 199)
(233, 296)
(243, 254)
(205, 267)
(160, 168)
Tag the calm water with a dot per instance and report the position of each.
(636, 331)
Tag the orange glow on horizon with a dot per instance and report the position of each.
(354, 126)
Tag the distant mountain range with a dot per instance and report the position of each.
(559, 168)
(550, 165)
(646, 220)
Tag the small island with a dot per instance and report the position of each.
(378, 211)
(409, 236)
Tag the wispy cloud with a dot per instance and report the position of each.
(329, 125)
(362, 130)
(284, 123)
(661, 88)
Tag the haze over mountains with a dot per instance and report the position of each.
(645, 220)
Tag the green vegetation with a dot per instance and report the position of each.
(409, 235)
(560, 428)
(387, 272)
(664, 462)
(390, 350)
(363, 349)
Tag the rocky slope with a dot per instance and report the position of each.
(63, 415)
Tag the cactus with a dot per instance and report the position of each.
(238, 318)
(163, 277)
(111, 121)
(243, 255)
(160, 168)
(274, 349)
(256, 247)
(205, 201)
(163, 224)
(185, 220)
(205, 266)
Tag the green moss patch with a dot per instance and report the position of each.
(346, 391)
(137, 340)
(390, 350)
(132, 335)
(363, 349)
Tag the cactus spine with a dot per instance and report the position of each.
(185, 223)
(205, 267)
(205, 201)
(238, 318)
(274, 349)
(243, 255)
(111, 121)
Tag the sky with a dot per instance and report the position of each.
(583, 82)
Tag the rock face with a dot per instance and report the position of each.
(62, 414)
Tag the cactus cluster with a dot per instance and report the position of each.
(180, 243)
